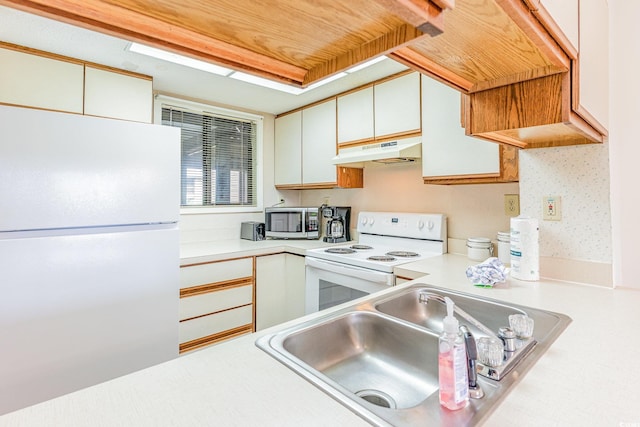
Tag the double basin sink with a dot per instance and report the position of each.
(379, 357)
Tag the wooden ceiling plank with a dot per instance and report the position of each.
(421, 63)
(519, 12)
(119, 22)
(381, 46)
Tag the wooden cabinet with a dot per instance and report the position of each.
(355, 116)
(397, 106)
(386, 109)
(305, 144)
(574, 108)
(280, 289)
(118, 95)
(449, 156)
(216, 302)
(40, 81)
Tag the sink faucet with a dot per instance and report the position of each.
(475, 392)
(424, 298)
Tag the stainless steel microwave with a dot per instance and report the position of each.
(292, 222)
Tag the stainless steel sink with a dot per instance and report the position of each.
(374, 357)
(380, 358)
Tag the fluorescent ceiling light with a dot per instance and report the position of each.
(366, 64)
(248, 78)
(178, 59)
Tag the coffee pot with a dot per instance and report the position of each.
(337, 229)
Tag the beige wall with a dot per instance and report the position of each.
(472, 210)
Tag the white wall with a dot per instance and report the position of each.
(625, 148)
(578, 248)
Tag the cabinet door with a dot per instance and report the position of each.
(288, 149)
(355, 116)
(41, 82)
(591, 96)
(397, 106)
(116, 95)
(565, 14)
(280, 282)
(319, 143)
(446, 150)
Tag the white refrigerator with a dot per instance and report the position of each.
(89, 251)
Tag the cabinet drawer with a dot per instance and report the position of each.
(208, 329)
(198, 305)
(215, 272)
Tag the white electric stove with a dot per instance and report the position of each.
(386, 240)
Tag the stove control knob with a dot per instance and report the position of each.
(372, 220)
(364, 220)
(430, 225)
(420, 224)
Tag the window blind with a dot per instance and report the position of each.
(217, 159)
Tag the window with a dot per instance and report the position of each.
(219, 156)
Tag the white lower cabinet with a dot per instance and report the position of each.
(280, 289)
(216, 302)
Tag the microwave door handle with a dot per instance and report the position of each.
(351, 271)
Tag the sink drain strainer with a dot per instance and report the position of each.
(377, 397)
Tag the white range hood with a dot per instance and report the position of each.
(401, 150)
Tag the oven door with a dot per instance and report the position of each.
(330, 283)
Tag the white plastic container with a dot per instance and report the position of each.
(452, 363)
(525, 258)
(504, 247)
(479, 248)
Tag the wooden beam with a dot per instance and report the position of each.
(386, 44)
(422, 14)
(124, 23)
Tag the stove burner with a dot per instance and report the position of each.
(340, 251)
(361, 247)
(403, 254)
(383, 258)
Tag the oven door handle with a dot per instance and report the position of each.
(351, 271)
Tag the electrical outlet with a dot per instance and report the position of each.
(551, 208)
(511, 204)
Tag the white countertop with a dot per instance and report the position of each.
(589, 376)
(194, 253)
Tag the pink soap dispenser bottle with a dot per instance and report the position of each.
(452, 363)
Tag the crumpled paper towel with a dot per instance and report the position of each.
(488, 273)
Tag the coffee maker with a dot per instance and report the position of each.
(338, 219)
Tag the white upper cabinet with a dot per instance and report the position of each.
(305, 145)
(355, 116)
(585, 23)
(593, 62)
(565, 14)
(397, 106)
(446, 149)
(40, 82)
(387, 109)
(116, 95)
(288, 149)
(319, 143)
